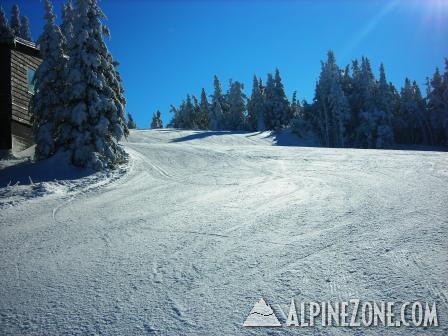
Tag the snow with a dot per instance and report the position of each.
(200, 225)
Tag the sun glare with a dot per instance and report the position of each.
(435, 13)
(436, 7)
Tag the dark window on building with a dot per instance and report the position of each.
(30, 73)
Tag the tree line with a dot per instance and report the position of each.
(350, 108)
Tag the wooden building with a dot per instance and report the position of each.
(19, 60)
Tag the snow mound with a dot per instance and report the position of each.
(22, 179)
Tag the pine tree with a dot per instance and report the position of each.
(411, 116)
(277, 108)
(295, 105)
(347, 82)
(438, 105)
(25, 31)
(115, 82)
(251, 123)
(373, 103)
(157, 120)
(131, 123)
(48, 104)
(352, 89)
(196, 112)
(67, 21)
(270, 117)
(237, 106)
(421, 120)
(96, 120)
(184, 116)
(261, 107)
(6, 32)
(283, 103)
(204, 111)
(189, 114)
(368, 116)
(384, 108)
(15, 20)
(174, 123)
(331, 105)
(255, 107)
(445, 102)
(216, 119)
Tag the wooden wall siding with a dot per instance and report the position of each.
(20, 97)
(22, 136)
(5, 97)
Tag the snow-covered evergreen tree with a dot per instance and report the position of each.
(204, 111)
(6, 32)
(115, 82)
(157, 120)
(130, 122)
(255, 107)
(67, 20)
(196, 112)
(295, 105)
(303, 123)
(347, 82)
(331, 105)
(25, 31)
(261, 107)
(368, 115)
(444, 120)
(411, 117)
(174, 123)
(184, 116)
(270, 115)
(375, 109)
(48, 103)
(15, 20)
(251, 121)
(351, 84)
(383, 98)
(384, 108)
(438, 106)
(189, 114)
(96, 120)
(216, 118)
(277, 108)
(237, 106)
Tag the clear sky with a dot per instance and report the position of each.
(170, 48)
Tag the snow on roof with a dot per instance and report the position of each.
(19, 40)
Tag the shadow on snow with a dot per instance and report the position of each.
(29, 172)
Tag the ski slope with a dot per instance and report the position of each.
(200, 225)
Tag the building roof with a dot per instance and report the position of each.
(23, 45)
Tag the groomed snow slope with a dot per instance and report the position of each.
(204, 224)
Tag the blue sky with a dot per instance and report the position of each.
(170, 48)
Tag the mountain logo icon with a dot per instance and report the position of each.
(261, 315)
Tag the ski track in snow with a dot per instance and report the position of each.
(199, 227)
